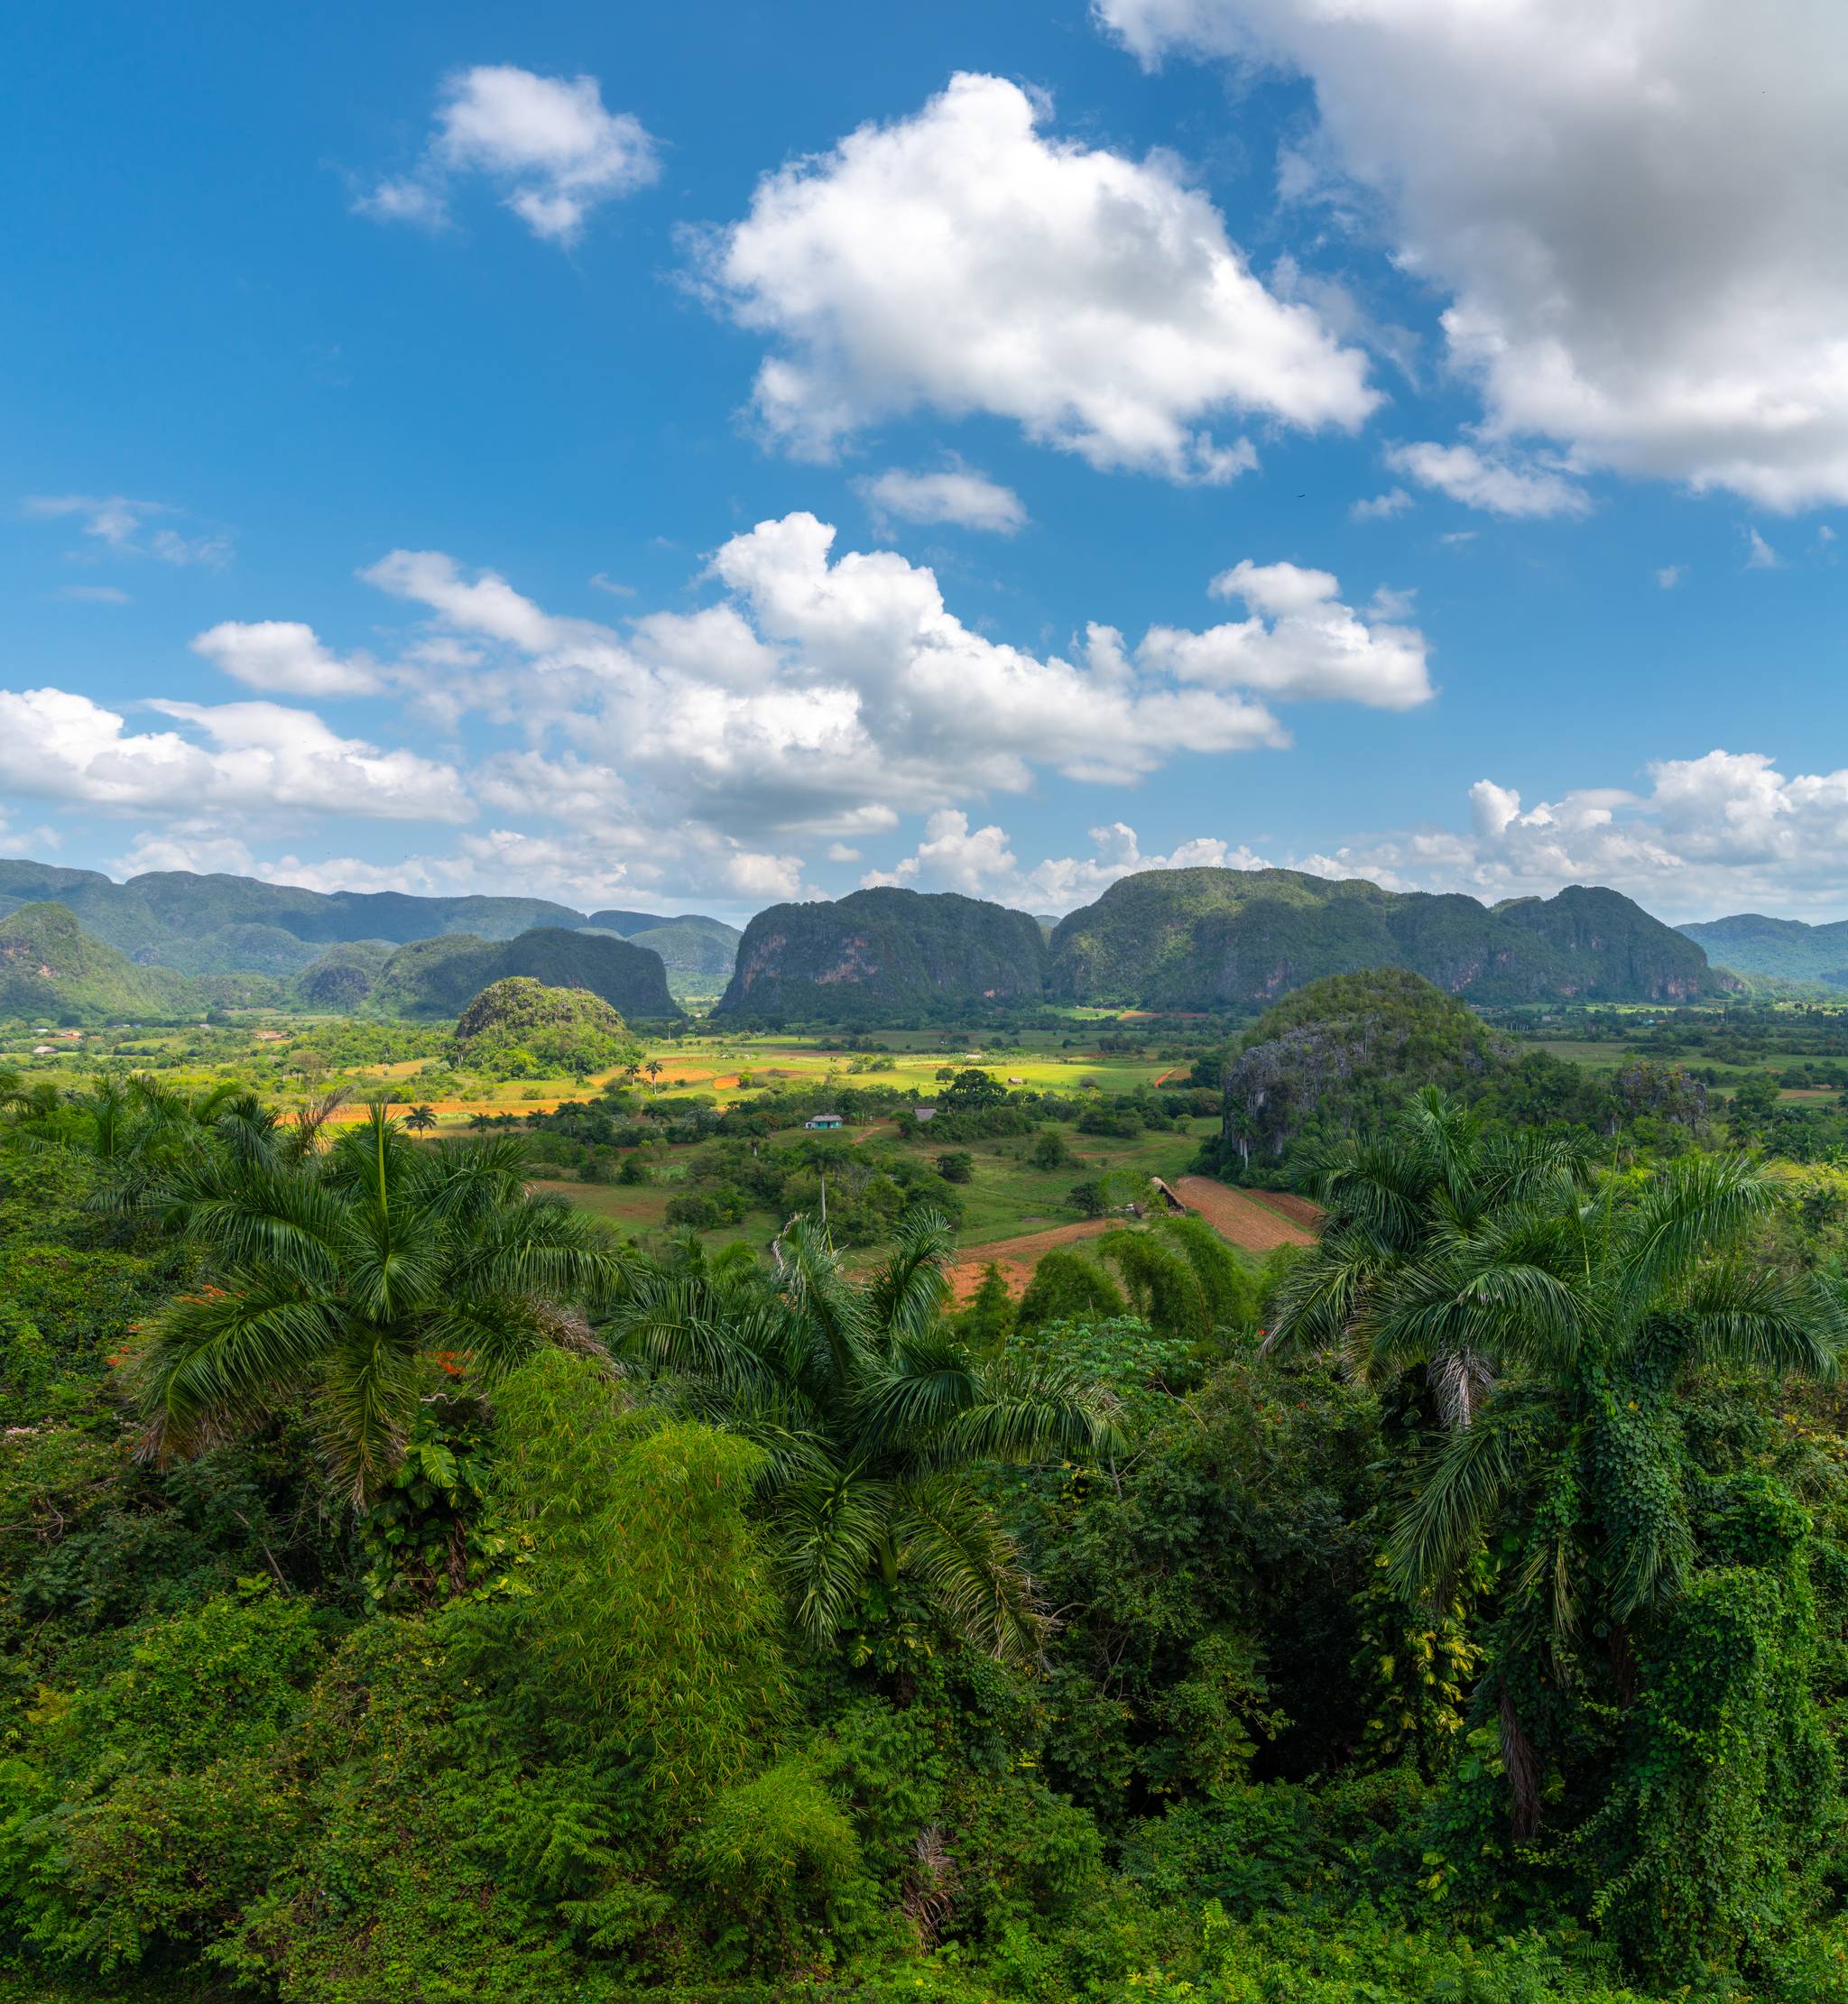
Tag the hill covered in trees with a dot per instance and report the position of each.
(52, 971)
(882, 952)
(1338, 1059)
(698, 953)
(433, 978)
(519, 1025)
(1787, 949)
(1206, 940)
(1341, 1053)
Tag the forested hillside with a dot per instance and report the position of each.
(878, 954)
(1785, 949)
(1203, 940)
(52, 972)
(212, 925)
(434, 978)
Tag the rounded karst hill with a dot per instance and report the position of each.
(520, 1025)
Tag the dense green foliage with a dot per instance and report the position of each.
(720, 1626)
(51, 971)
(884, 955)
(517, 1027)
(342, 977)
(1338, 1057)
(1205, 939)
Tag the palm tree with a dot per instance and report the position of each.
(420, 1119)
(652, 1068)
(138, 1131)
(1559, 1334)
(355, 1279)
(23, 1101)
(1390, 1199)
(874, 1418)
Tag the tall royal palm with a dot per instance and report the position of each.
(874, 1420)
(1577, 1321)
(1434, 1177)
(348, 1279)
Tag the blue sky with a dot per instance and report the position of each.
(1376, 439)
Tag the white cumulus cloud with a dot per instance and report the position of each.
(283, 658)
(258, 760)
(1495, 484)
(1301, 643)
(547, 144)
(981, 863)
(959, 260)
(1634, 207)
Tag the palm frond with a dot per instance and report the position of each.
(1738, 1313)
(1452, 1507)
(223, 1358)
(1693, 1209)
(957, 1550)
(830, 1529)
(1019, 1411)
(369, 1382)
(832, 1313)
(908, 1291)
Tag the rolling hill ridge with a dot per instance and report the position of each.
(1207, 940)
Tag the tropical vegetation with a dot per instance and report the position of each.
(412, 1587)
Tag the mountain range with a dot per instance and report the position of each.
(1202, 941)
(228, 925)
(1178, 940)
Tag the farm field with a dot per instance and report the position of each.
(1005, 1198)
(264, 1053)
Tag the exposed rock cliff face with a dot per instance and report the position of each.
(1203, 940)
(883, 955)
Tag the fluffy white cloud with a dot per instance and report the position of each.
(1634, 206)
(1727, 832)
(823, 696)
(121, 525)
(546, 142)
(955, 495)
(1314, 646)
(818, 698)
(954, 856)
(258, 760)
(1495, 484)
(284, 657)
(959, 260)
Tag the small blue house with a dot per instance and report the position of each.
(825, 1121)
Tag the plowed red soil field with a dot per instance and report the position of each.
(1255, 1222)
(1247, 1223)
